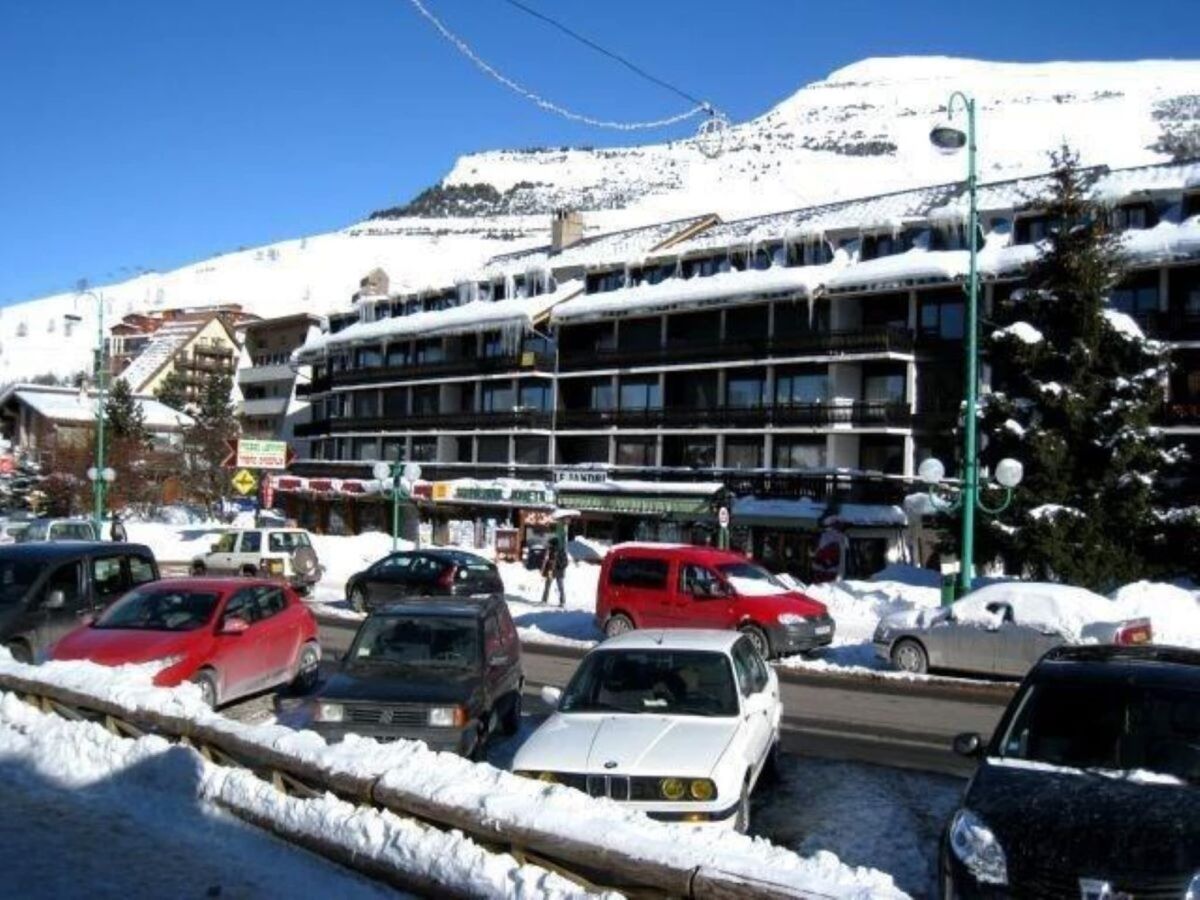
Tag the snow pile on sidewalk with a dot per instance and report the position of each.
(1174, 612)
(477, 789)
(175, 543)
(173, 784)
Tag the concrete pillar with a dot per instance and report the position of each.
(913, 311)
(910, 453)
(1164, 289)
(842, 451)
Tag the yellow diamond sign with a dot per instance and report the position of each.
(244, 481)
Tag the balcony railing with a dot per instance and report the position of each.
(822, 343)
(449, 421)
(782, 415)
(480, 365)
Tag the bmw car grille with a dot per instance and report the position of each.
(614, 786)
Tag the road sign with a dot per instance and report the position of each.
(723, 516)
(256, 454)
(245, 482)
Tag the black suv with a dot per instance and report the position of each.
(1090, 786)
(423, 573)
(49, 589)
(446, 672)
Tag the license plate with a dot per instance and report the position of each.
(823, 629)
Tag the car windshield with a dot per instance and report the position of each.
(35, 531)
(16, 578)
(662, 682)
(1121, 727)
(425, 642)
(160, 609)
(286, 541)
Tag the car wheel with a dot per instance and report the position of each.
(511, 721)
(618, 623)
(758, 638)
(742, 823)
(308, 666)
(199, 569)
(206, 680)
(358, 599)
(909, 656)
(249, 572)
(20, 652)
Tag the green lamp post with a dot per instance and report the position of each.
(100, 475)
(402, 477)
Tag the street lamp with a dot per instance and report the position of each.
(949, 139)
(101, 480)
(402, 476)
(98, 483)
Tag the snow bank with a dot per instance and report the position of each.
(1174, 612)
(485, 793)
(1061, 608)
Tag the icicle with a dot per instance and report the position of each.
(812, 303)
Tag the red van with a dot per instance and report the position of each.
(680, 586)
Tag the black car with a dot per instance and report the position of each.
(48, 589)
(446, 672)
(423, 573)
(1090, 787)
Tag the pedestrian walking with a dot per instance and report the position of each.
(554, 567)
(117, 531)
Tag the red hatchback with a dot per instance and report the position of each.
(231, 636)
(680, 586)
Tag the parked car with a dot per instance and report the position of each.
(444, 671)
(679, 724)
(283, 553)
(680, 586)
(46, 589)
(58, 530)
(229, 636)
(1003, 629)
(423, 573)
(1090, 786)
(12, 529)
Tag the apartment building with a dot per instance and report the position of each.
(793, 367)
(268, 377)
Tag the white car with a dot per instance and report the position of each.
(284, 553)
(679, 724)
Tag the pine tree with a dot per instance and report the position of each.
(172, 391)
(1075, 390)
(124, 416)
(205, 441)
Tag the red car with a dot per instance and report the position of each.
(231, 636)
(680, 586)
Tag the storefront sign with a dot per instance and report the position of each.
(638, 505)
(583, 476)
(529, 493)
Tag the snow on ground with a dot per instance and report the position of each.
(410, 767)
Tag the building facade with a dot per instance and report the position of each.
(268, 377)
(793, 367)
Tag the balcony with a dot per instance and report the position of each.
(893, 415)
(265, 374)
(482, 365)
(1182, 412)
(449, 421)
(825, 343)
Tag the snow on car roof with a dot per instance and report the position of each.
(672, 639)
(1061, 607)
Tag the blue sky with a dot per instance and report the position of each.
(150, 133)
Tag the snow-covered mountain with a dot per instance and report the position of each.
(861, 131)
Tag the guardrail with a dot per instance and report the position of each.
(591, 864)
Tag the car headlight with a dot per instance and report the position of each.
(1193, 891)
(702, 789)
(791, 619)
(330, 712)
(977, 848)
(447, 716)
(672, 788)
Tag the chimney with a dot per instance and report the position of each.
(566, 229)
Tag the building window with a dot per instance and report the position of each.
(424, 449)
(884, 387)
(659, 273)
(399, 355)
(393, 449)
(641, 452)
(799, 454)
(885, 311)
(494, 346)
(693, 390)
(579, 450)
(743, 453)
(603, 282)
(534, 394)
(366, 449)
(747, 323)
(745, 389)
(941, 318)
(366, 404)
(641, 393)
(1134, 217)
(425, 400)
(687, 329)
(395, 402)
(640, 334)
(493, 449)
(796, 317)
(368, 358)
(430, 351)
(875, 246)
(881, 454)
(704, 266)
(532, 451)
(1031, 229)
(1138, 296)
(682, 451)
(800, 386)
(496, 396)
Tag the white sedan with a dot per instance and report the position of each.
(679, 724)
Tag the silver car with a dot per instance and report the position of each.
(1003, 629)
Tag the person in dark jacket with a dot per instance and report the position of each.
(117, 531)
(554, 567)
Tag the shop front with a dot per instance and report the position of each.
(501, 515)
(346, 505)
(668, 512)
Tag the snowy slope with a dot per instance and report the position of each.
(860, 131)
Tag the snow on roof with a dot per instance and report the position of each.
(162, 346)
(1063, 608)
(1123, 324)
(1165, 242)
(66, 405)
(863, 514)
(470, 317)
(1121, 184)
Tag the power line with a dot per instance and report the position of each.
(548, 105)
(633, 67)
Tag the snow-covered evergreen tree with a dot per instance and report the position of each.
(1076, 387)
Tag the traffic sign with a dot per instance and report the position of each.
(723, 516)
(245, 482)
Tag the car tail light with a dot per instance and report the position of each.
(271, 566)
(446, 579)
(1136, 632)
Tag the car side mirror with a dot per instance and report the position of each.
(234, 625)
(551, 696)
(968, 744)
(56, 599)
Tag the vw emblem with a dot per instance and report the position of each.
(611, 764)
